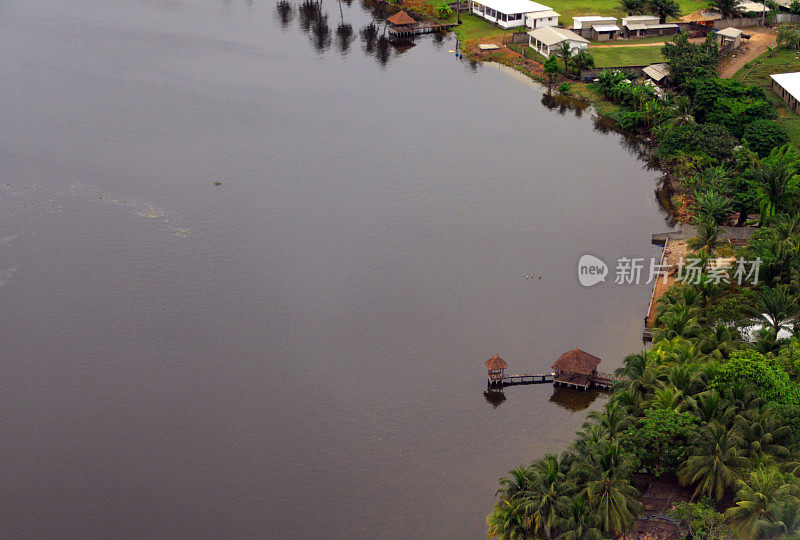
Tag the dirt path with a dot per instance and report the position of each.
(760, 39)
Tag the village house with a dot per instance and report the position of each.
(787, 86)
(752, 7)
(511, 13)
(548, 39)
(647, 25)
(578, 23)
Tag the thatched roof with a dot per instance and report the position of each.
(576, 361)
(495, 362)
(401, 19)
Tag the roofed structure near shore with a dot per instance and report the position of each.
(577, 361)
(401, 19)
(546, 40)
(787, 86)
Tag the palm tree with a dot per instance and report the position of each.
(711, 407)
(546, 497)
(686, 378)
(726, 7)
(582, 60)
(682, 111)
(776, 184)
(612, 418)
(667, 398)
(707, 239)
(507, 521)
(715, 462)
(762, 439)
(678, 321)
(761, 500)
(631, 7)
(641, 371)
(664, 9)
(564, 51)
(578, 524)
(714, 207)
(777, 306)
(613, 504)
(519, 480)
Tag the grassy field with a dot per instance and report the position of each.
(758, 71)
(473, 27)
(625, 56)
(570, 8)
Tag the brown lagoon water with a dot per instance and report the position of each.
(298, 351)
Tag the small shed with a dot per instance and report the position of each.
(731, 37)
(604, 31)
(575, 369)
(578, 23)
(401, 19)
(658, 73)
(496, 366)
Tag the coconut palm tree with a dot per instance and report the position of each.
(564, 52)
(686, 378)
(763, 439)
(518, 481)
(707, 239)
(714, 207)
(612, 418)
(761, 500)
(678, 321)
(582, 60)
(664, 9)
(640, 372)
(726, 7)
(578, 525)
(715, 463)
(507, 521)
(546, 497)
(777, 306)
(682, 111)
(776, 185)
(613, 504)
(711, 407)
(632, 7)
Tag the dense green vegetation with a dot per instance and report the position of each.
(715, 401)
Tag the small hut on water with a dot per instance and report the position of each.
(496, 366)
(578, 369)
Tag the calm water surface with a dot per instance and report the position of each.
(297, 351)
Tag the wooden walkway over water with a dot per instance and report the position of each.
(598, 380)
(409, 31)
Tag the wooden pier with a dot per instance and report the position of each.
(574, 369)
(409, 31)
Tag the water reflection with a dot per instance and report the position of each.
(285, 13)
(344, 32)
(495, 397)
(563, 103)
(575, 400)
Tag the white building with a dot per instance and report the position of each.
(787, 86)
(579, 23)
(751, 7)
(548, 39)
(510, 13)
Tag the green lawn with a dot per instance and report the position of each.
(625, 56)
(570, 8)
(473, 27)
(758, 71)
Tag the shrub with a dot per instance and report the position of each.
(712, 140)
(764, 135)
(564, 87)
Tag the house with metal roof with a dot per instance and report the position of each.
(751, 7)
(548, 39)
(578, 23)
(787, 86)
(647, 25)
(658, 73)
(511, 13)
